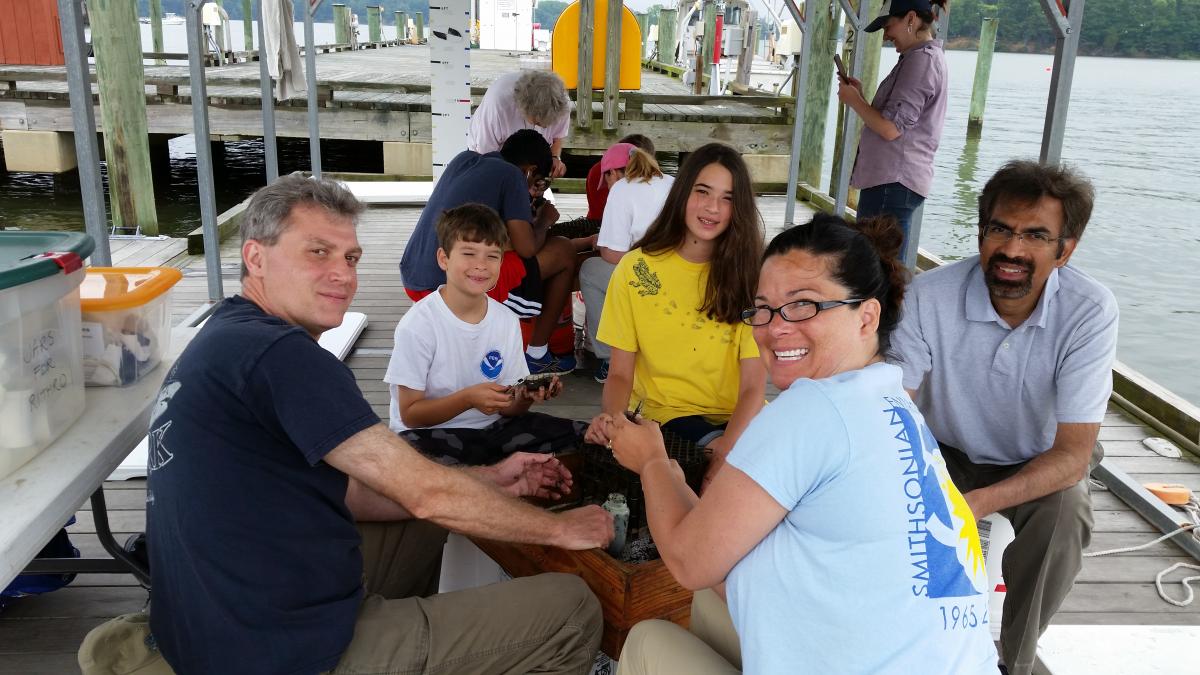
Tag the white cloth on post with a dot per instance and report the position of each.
(280, 50)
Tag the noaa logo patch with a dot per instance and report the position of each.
(492, 364)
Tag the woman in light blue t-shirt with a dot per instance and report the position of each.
(835, 531)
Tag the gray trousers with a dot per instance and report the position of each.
(549, 623)
(1041, 563)
(593, 282)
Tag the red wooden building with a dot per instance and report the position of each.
(29, 33)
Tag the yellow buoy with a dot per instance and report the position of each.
(564, 47)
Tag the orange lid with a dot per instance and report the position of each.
(106, 289)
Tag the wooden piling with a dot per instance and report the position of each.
(872, 49)
(823, 29)
(612, 63)
(667, 18)
(710, 36)
(341, 24)
(746, 55)
(643, 20)
(121, 78)
(375, 29)
(420, 28)
(156, 39)
(583, 88)
(983, 72)
(248, 25)
(402, 26)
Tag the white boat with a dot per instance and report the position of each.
(169, 19)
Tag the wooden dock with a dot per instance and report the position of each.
(383, 95)
(41, 634)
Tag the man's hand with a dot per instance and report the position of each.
(558, 169)
(546, 215)
(488, 398)
(584, 528)
(977, 501)
(526, 474)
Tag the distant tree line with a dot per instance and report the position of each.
(547, 11)
(1139, 28)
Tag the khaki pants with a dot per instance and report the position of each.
(710, 648)
(1041, 563)
(593, 281)
(548, 623)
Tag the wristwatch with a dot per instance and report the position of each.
(556, 157)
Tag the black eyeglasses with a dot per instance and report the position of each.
(1002, 235)
(800, 310)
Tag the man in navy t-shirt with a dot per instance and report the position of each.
(263, 456)
(538, 273)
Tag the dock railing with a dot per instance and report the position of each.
(211, 59)
(168, 84)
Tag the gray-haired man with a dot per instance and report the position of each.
(1009, 356)
(267, 455)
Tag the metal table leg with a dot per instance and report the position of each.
(120, 563)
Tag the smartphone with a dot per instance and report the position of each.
(841, 68)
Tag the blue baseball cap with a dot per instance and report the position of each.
(898, 8)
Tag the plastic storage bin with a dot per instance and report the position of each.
(41, 368)
(126, 322)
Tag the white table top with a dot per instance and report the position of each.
(37, 499)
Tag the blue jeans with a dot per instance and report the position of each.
(893, 199)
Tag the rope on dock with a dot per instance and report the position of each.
(1192, 509)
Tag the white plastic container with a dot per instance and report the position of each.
(995, 534)
(126, 322)
(41, 369)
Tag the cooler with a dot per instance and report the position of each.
(126, 322)
(41, 369)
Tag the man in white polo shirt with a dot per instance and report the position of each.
(1009, 356)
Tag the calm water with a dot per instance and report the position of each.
(1129, 130)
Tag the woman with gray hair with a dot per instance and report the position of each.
(532, 99)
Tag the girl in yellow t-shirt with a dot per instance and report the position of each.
(672, 314)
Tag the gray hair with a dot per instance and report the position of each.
(541, 96)
(265, 217)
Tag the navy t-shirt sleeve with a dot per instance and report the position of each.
(514, 197)
(309, 394)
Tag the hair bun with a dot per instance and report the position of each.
(884, 233)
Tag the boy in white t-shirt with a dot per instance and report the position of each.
(455, 376)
